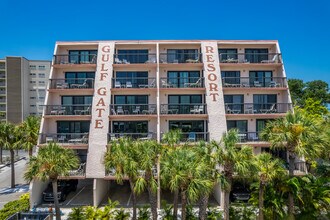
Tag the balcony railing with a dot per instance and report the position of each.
(68, 110)
(112, 172)
(182, 82)
(180, 58)
(2, 66)
(134, 136)
(250, 108)
(255, 82)
(133, 109)
(2, 100)
(248, 137)
(250, 58)
(64, 138)
(87, 83)
(2, 83)
(138, 82)
(80, 171)
(2, 76)
(75, 59)
(2, 92)
(197, 108)
(136, 58)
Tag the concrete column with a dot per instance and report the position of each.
(36, 188)
(100, 191)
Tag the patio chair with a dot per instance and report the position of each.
(49, 139)
(192, 60)
(270, 61)
(117, 84)
(194, 110)
(151, 60)
(125, 61)
(118, 61)
(86, 111)
(152, 84)
(62, 111)
(113, 137)
(166, 84)
(249, 110)
(83, 86)
(129, 84)
(120, 110)
(137, 110)
(61, 139)
(151, 110)
(54, 110)
(257, 84)
(200, 109)
(196, 84)
(113, 112)
(191, 136)
(253, 137)
(272, 109)
(149, 137)
(273, 84)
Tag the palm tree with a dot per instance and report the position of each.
(51, 162)
(267, 169)
(10, 138)
(234, 160)
(30, 133)
(183, 171)
(147, 158)
(121, 156)
(300, 135)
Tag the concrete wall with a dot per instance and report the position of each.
(100, 189)
(36, 188)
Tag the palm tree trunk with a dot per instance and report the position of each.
(226, 199)
(175, 204)
(152, 196)
(184, 204)
(1, 155)
(30, 152)
(12, 164)
(292, 158)
(133, 199)
(57, 206)
(261, 201)
(203, 206)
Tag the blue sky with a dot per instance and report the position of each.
(30, 28)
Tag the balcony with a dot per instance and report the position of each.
(182, 82)
(2, 100)
(74, 139)
(175, 58)
(133, 109)
(68, 110)
(110, 174)
(87, 83)
(74, 59)
(134, 136)
(250, 108)
(135, 58)
(132, 83)
(251, 82)
(191, 109)
(2, 83)
(260, 58)
(2, 76)
(80, 171)
(2, 66)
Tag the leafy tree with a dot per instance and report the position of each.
(317, 90)
(121, 156)
(20, 205)
(314, 108)
(267, 169)
(77, 213)
(300, 136)
(10, 139)
(51, 162)
(233, 160)
(30, 129)
(296, 87)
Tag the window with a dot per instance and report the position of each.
(183, 103)
(33, 90)
(42, 75)
(73, 126)
(234, 102)
(231, 77)
(41, 90)
(256, 55)
(241, 125)
(32, 97)
(180, 78)
(82, 56)
(32, 82)
(41, 97)
(41, 82)
(262, 77)
(130, 99)
(33, 67)
(188, 126)
(227, 54)
(261, 124)
(32, 105)
(80, 78)
(41, 67)
(133, 56)
(32, 74)
(264, 101)
(136, 78)
(130, 127)
(181, 56)
(77, 100)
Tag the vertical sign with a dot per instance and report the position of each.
(99, 127)
(214, 96)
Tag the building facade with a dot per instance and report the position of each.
(102, 90)
(22, 87)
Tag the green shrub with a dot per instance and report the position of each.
(20, 205)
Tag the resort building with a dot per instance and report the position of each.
(102, 90)
(22, 87)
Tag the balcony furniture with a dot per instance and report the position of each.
(62, 86)
(61, 139)
(86, 111)
(192, 61)
(196, 84)
(272, 109)
(257, 84)
(117, 84)
(166, 84)
(136, 110)
(242, 137)
(125, 61)
(274, 84)
(78, 172)
(150, 111)
(77, 112)
(175, 61)
(151, 60)
(82, 140)
(270, 61)
(233, 111)
(113, 112)
(49, 139)
(149, 137)
(113, 137)
(129, 84)
(172, 111)
(120, 110)
(118, 61)
(245, 84)
(250, 110)
(83, 86)
(191, 137)
(200, 110)
(162, 61)
(253, 137)
(54, 111)
(194, 110)
(61, 111)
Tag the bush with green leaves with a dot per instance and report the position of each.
(144, 213)
(20, 205)
(242, 211)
